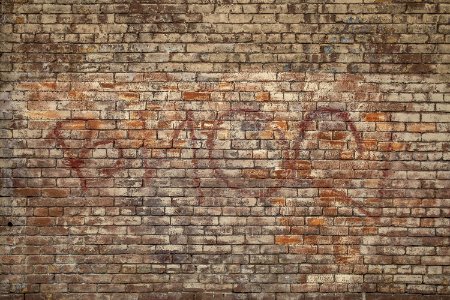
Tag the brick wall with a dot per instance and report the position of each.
(205, 149)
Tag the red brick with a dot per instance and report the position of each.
(135, 124)
(55, 193)
(73, 125)
(196, 96)
(288, 239)
(255, 173)
(40, 212)
(40, 221)
(375, 117)
(27, 192)
(262, 96)
(129, 96)
(100, 124)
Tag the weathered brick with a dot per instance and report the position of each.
(196, 96)
(319, 278)
(406, 117)
(56, 8)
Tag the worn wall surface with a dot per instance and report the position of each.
(249, 149)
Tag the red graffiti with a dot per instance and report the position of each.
(291, 168)
(76, 158)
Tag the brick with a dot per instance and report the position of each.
(288, 240)
(43, 115)
(40, 221)
(405, 117)
(262, 96)
(435, 260)
(439, 137)
(55, 8)
(375, 117)
(196, 96)
(421, 127)
(55, 193)
(408, 278)
(100, 124)
(428, 117)
(319, 278)
(255, 173)
(26, 192)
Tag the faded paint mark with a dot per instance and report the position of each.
(76, 158)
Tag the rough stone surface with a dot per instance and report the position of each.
(245, 149)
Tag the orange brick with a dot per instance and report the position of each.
(41, 105)
(296, 164)
(325, 135)
(347, 259)
(200, 96)
(129, 96)
(108, 85)
(288, 239)
(278, 201)
(225, 86)
(421, 127)
(101, 124)
(76, 95)
(391, 146)
(391, 126)
(74, 124)
(347, 154)
(340, 135)
(262, 96)
(331, 193)
(144, 115)
(141, 134)
(133, 124)
(208, 124)
(315, 221)
(282, 125)
(370, 144)
(375, 117)
(263, 135)
(255, 173)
